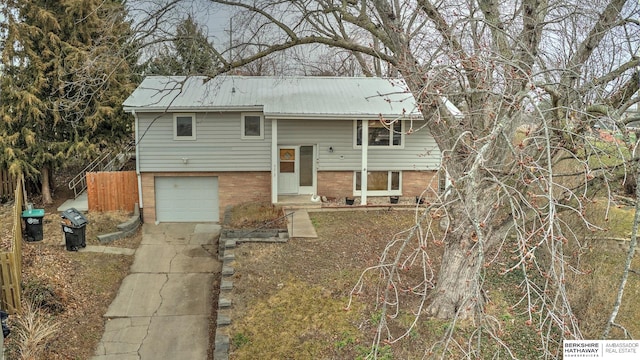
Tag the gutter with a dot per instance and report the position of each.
(282, 116)
(173, 109)
(136, 134)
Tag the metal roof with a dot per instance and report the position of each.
(276, 97)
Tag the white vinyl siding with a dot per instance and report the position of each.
(186, 199)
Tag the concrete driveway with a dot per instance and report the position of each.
(163, 307)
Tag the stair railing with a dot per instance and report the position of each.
(105, 162)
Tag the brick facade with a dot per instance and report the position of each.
(239, 187)
(415, 182)
(336, 184)
(233, 188)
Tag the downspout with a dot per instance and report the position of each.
(365, 160)
(136, 131)
(274, 161)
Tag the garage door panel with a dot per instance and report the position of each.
(186, 199)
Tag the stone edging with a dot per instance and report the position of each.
(125, 229)
(227, 256)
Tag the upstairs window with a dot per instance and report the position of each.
(184, 127)
(380, 134)
(252, 126)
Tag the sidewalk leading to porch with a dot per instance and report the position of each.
(299, 224)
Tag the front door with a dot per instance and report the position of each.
(288, 170)
(296, 170)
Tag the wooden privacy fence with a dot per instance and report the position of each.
(112, 190)
(7, 184)
(11, 261)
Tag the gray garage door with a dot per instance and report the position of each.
(186, 199)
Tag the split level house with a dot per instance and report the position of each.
(204, 144)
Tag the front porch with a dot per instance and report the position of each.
(298, 201)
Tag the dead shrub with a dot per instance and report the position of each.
(43, 295)
(255, 215)
(31, 332)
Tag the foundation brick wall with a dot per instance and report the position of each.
(239, 187)
(336, 184)
(233, 188)
(415, 182)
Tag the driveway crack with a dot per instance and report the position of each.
(155, 312)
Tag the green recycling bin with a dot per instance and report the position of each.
(33, 224)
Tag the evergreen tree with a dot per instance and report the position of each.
(67, 70)
(191, 53)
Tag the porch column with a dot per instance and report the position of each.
(363, 173)
(274, 161)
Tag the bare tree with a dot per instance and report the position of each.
(531, 77)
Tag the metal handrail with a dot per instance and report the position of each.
(79, 183)
(269, 223)
(126, 155)
(81, 178)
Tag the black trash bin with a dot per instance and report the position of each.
(74, 225)
(33, 224)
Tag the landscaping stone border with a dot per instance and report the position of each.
(227, 242)
(125, 229)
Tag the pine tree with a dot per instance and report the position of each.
(191, 53)
(67, 67)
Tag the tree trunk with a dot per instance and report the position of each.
(458, 291)
(46, 189)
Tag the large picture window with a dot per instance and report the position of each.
(184, 126)
(252, 126)
(380, 134)
(379, 182)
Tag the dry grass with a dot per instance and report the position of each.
(289, 298)
(296, 321)
(33, 331)
(255, 215)
(69, 289)
(602, 261)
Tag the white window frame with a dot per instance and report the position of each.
(373, 146)
(242, 129)
(380, 192)
(193, 126)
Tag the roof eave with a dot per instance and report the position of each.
(282, 116)
(147, 109)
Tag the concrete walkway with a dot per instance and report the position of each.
(163, 306)
(81, 203)
(107, 250)
(299, 225)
